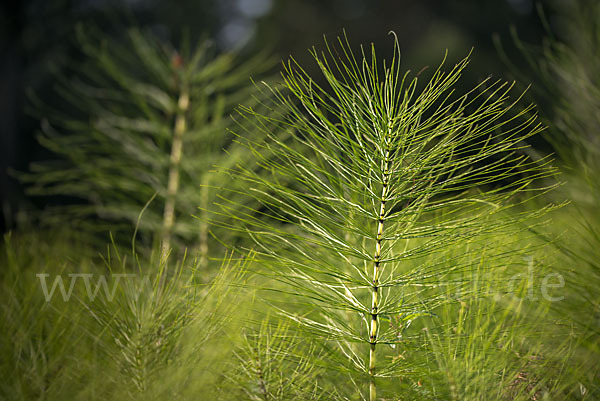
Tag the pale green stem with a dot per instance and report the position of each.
(173, 181)
(376, 273)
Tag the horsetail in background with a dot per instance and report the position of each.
(149, 122)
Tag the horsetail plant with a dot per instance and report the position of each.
(148, 121)
(380, 175)
(274, 364)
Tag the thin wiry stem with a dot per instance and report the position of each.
(376, 273)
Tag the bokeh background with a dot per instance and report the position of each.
(92, 137)
(37, 45)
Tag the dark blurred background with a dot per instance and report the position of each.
(37, 45)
